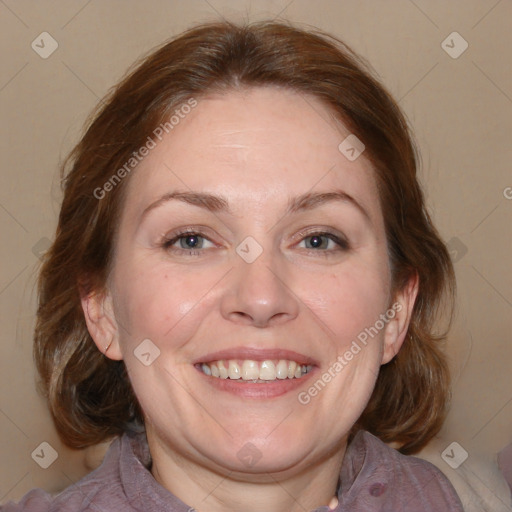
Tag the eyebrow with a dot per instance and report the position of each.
(214, 203)
(209, 202)
(312, 200)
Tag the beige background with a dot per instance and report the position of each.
(461, 110)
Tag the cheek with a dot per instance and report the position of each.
(347, 301)
(161, 304)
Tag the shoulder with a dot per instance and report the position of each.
(35, 501)
(102, 487)
(381, 478)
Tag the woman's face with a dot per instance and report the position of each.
(248, 237)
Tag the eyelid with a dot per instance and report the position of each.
(172, 241)
(203, 231)
(170, 238)
(334, 234)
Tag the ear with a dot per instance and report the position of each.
(101, 324)
(400, 313)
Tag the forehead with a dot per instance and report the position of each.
(259, 147)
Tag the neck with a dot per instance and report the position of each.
(208, 489)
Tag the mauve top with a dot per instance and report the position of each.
(374, 477)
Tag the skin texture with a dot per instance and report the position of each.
(258, 149)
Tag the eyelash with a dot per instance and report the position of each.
(167, 243)
(342, 243)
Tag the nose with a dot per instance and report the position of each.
(258, 294)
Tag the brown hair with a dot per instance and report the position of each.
(90, 396)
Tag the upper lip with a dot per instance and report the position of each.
(256, 354)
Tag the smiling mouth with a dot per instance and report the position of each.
(248, 370)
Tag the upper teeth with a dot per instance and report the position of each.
(255, 370)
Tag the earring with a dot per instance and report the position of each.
(108, 346)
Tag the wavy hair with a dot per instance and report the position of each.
(90, 396)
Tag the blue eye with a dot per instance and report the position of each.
(317, 242)
(324, 242)
(191, 242)
(188, 242)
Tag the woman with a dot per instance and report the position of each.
(243, 285)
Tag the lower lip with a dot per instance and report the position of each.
(262, 390)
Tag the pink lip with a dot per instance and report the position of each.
(256, 354)
(261, 390)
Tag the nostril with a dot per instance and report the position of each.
(240, 315)
(258, 319)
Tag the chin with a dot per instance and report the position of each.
(254, 454)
